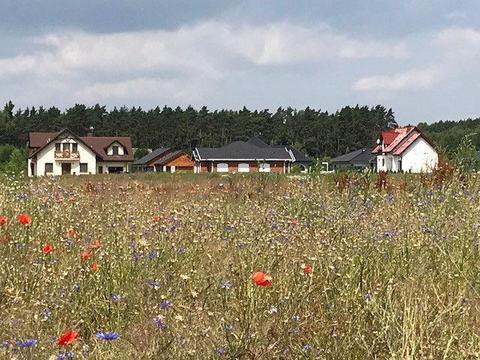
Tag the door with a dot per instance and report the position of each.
(66, 168)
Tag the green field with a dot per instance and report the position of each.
(395, 270)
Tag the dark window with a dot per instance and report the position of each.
(83, 167)
(383, 162)
(115, 150)
(57, 147)
(74, 147)
(100, 169)
(66, 147)
(48, 168)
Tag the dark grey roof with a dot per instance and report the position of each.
(150, 156)
(241, 150)
(299, 156)
(358, 156)
(165, 159)
(257, 142)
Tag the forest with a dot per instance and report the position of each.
(318, 133)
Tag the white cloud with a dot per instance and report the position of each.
(408, 80)
(169, 63)
(457, 15)
(451, 52)
(208, 48)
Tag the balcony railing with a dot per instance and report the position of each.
(67, 155)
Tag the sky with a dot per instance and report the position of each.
(419, 57)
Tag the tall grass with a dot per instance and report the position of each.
(395, 268)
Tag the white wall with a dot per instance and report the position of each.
(419, 157)
(47, 155)
(121, 149)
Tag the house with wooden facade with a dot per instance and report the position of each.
(253, 155)
(165, 160)
(63, 152)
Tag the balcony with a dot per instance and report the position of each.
(67, 155)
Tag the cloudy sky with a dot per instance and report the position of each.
(419, 57)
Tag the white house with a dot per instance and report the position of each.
(59, 153)
(405, 149)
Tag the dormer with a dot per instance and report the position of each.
(115, 149)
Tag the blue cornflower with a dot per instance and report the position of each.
(5, 344)
(228, 328)
(159, 322)
(368, 296)
(153, 254)
(182, 250)
(146, 233)
(295, 318)
(306, 347)
(229, 228)
(26, 343)
(135, 257)
(165, 304)
(226, 284)
(220, 351)
(154, 284)
(241, 245)
(69, 242)
(65, 355)
(115, 297)
(107, 335)
(46, 314)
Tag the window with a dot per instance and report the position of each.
(58, 147)
(115, 149)
(75, 147)
(100, 169)
(66, 147)
(48, 168)
(83, 167)
(264, 167)
(243, 167)
(383, 161)
(222, 167)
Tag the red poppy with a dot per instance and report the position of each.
(24, 219)
(67, 338)
(262, 279)
(94, 267)
(294, 221)
(47, 249)
(85, 255)
(3, 220)
(95, 244)
(156, 218)
(307, 269)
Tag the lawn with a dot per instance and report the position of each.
(160, 267)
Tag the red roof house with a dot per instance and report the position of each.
(405, 149)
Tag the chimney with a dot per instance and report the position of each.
(90, 131)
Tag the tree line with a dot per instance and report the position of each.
(318, 133)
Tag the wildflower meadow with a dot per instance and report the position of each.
(239, 267)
